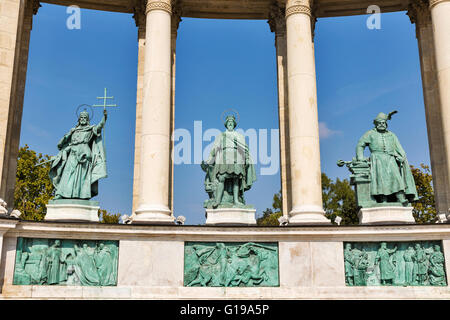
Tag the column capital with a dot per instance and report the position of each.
(138, 8)
(165, 5)
(419, 12)
(176, 16)
(435, 2)
(298, 7)
(277, 20)
(36, 5)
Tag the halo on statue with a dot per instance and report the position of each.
(91, 113)
(229, 112)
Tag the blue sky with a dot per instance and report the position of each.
(221, 64)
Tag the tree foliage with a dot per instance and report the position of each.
(33, 187)
(269, 217)
(424, 209)
(106, 217)
(338, 199)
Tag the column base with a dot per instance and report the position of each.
(152, 215)
(384, 215)
(230, 217)
(72, 210)
(308, 215)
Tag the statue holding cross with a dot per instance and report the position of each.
(81, 160)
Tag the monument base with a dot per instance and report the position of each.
(152, 215)
(308, 215)
(230, 217)
(72, 210)
(382, 215)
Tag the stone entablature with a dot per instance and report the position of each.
(311, 260)
(238, 9)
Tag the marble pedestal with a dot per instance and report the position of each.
(155, 216)
(386, 215)
(230, 216)
(72, 210)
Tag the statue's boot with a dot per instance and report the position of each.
(402, 198)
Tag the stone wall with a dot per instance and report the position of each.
(151, 260)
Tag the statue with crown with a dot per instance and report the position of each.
(229, 173)
(75, 171)
(384, 183)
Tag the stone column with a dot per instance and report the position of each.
(440, 18)
(420, 14)
(277, 23)
(16, 18)
(139, 17)
(156, 109)
(303, 118)
(176, 19)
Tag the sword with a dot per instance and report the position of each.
(51, 159)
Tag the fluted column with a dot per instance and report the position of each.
(303, 118)
(420, 15)
(277, 23)
(16, 19)
(156, 109)
(440, 18)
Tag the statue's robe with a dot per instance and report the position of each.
(387, 176)
(85, 268)
(104, 263)
(387, 269)
(80, 163)
(230, 156)
(437, 272)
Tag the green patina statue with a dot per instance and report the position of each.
(66, 262)
(81, 160)
(219, 264)
(419, 263)
(384, 179)
(229, 169)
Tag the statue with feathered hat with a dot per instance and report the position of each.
(229, 169)
(391, 179)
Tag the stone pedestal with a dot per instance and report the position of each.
(385, 215)
(309, 216)
(230, 216)
(152, 215)
(67, 210)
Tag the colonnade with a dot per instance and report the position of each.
(299, 131)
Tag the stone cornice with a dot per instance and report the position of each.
(194, 233)
(164, 5)
(435, 2)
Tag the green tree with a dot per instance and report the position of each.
(424, 209)
(269, 217)
(338, 199)
(106, 217)
(33, 187)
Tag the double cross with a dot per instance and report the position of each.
(104, 105)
